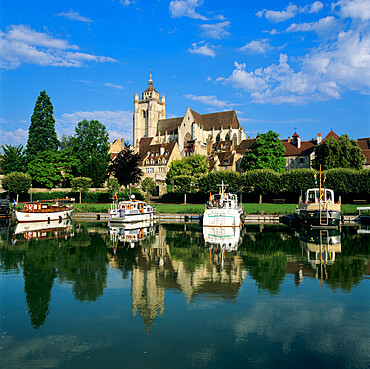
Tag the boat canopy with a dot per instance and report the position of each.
(314, 195)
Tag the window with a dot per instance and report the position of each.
(301, 160)
(146, 162)
(164, 161)
(159, 161)
(152, 162)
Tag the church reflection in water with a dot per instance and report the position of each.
(200, 263)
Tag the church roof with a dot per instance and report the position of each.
(223, 120)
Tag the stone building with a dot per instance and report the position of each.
(193, 132)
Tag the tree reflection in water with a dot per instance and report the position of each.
(174, 257)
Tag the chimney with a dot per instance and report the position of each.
(319, 139)
(161, 151)
(299, 142)
(288, 139)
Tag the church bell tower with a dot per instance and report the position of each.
(147, 112)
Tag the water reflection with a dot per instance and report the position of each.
(199, 263)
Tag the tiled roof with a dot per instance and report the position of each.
(145, 141)
(364, 143)
(307, 147)
(223, 120)
(244, 145)
(146, 151)
(222, 145)
(331, 134)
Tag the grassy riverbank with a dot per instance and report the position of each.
(278, 209)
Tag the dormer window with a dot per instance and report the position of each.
(147, 162)
(164, 161)
(152, 162)
(159, 161)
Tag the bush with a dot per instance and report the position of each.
(211, 181)
(261, 181)
(297, 180)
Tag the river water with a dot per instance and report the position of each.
(85, 295)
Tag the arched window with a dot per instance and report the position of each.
(159, 161)
(227, 137)
(218, 138)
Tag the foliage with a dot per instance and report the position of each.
(91, 146)
(66, 142)
(81, 184)
(343, 180)
(211, 181)
(341, 153)
(113, 185)
(298, 180)
(265, 153)
(125, 167)
(13, 159)
(16, 182)
(261, 181)
(53, 168)
(185, 183)
(189, 165)
(148, 186)
(41, 134)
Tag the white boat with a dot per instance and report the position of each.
(223, 210)
(222, 237)
(131, 211)
(45, 210)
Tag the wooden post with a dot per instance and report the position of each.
(260, 199)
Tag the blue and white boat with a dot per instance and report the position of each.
(223, 210)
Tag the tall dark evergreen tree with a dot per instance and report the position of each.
(41, 134)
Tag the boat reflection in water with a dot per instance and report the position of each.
(321, 247)
(227, 238)
(55, 229)
(130, 233)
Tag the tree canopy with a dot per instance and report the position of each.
(341, 153)
(91, 147)
(189, 165)
(16, 182)
(50, 168)
(265, 153)
(13, 159)
(125, 167)
(41, 134)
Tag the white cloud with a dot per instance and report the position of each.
(279, 16)
(316, 7)
(17, 137)
(216, 31)
(125, 2)
(21, 44)
(324, 25)
(119, 87)
(185, 8)
(290, 12)
(118, 123)
(355, 9)
(209, 100)
(202, 49)
(257, 47)
(322, 74)
(75, 16)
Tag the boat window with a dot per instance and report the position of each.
(311, 196)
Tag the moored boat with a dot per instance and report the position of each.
(46, 210)
(319, 209)
(223, 209)
(222, 237)
(131, 211)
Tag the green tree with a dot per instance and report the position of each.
(125, 167)
(113, 185)
(50, 169)
(189, 165)
(185, 184)
(17, 183)
(81, 184)
(41, 134)
(13, 159)
(341, 153)
(265, 153)
(66, 142)
(148, 186)
(91, 147)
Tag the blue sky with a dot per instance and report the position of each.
(281, 65)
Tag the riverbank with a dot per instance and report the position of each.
(252, 209)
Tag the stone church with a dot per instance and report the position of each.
(193, 132)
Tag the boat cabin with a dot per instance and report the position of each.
(313, 195)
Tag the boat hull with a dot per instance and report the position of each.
(315, 219)
(27, 216)
(222, 218)
(129, 218)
